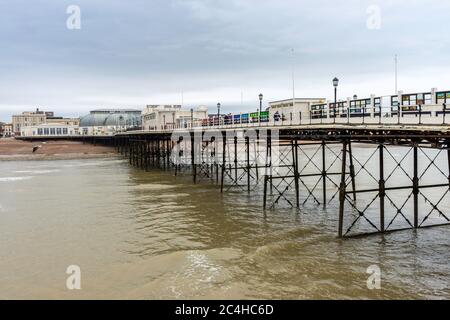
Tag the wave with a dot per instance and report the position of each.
(11, 179)
(38, 171)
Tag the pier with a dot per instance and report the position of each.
(382, 174)
(319, 163)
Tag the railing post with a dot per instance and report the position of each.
(444, 107)
(348, 115)
(420, 113)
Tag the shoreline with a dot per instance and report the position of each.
(16, 150)
(61, 156)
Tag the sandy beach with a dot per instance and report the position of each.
(12, 149)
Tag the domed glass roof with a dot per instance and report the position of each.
(106, 117)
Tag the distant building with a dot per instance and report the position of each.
(110, 121)
(7, 130)
(287, 109)
(160, 117)
(61, 120)
(28, 118)
(36, 118)
(51, 130)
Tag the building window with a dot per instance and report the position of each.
(58, 131)
(65, 131)
(40, 131)
(377, 104)
(52, 131)
(443, 97)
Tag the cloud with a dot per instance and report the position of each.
(139, 52)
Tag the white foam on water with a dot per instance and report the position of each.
(38, 171)
(12, 179)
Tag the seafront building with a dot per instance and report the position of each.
(29, 118)
(293, 106)
(22, 122)
(161, 117)
(110, 121)
(51, 129)
(7, 130)
(102, 122)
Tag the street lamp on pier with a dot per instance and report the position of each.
(335, 84)
(218, 114)
(260, 107)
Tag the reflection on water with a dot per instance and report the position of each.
(152, 235)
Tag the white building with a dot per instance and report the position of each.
(7, 130)
(289, 109)
(161, 117)
(50, 130)
(104, 122)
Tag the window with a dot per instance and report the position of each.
(46, 131)
(377, 104)
(52, 131)
(65, 131)
(40, 131)
(58, 131)
(443, 97)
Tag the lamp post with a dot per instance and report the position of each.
(218, 114)
(173, 120)
(192, 117)
(335, 84)
(260, 107)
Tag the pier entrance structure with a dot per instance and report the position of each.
(377, 178)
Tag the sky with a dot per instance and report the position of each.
(127, 54)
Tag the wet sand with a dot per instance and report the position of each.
(12, 149)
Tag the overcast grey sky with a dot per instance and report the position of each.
(133, 53)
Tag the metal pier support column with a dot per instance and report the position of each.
(247, 152)
(296, 173)
(130, 151)
(224, 161)
(415, 187)
(257, 156)
(342, 189)
(194, 165)
(268, 163)
(324, 175)
(448, 161)
(352, 170)
(381, 186)
(235, 159)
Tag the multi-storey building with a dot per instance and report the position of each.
(160, 117)
(7, 130)
(27, 119)
(38, 117)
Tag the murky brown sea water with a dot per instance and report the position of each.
(150, 235)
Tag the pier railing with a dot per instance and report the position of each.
(408, 115)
